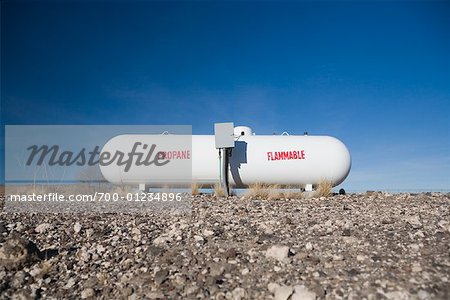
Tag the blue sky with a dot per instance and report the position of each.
(374, 74)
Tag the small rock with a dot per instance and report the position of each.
(416, 268)
(89, 232)
(360, 257)
(18, 226)
(133, 297)
(162, 240)
(308, 246)
(423, 295)
(414, 221)
(398, 295)
(18, 280)
(216, 269)
(77, 227)
(83, 254)
(302, 293)
(338, 257)
(14, 252)
(230, 253)
(41, 228)
(238, 293)
(278, 252)
(155, 295)
(414, 247)
(419, 234)
(35, 271)
(346, 232)
(208, 233)
(190, 290)
(245, 271)
(353, 272)
(136, 234)
(272, 286)
(283, 292)
(70, 283)
(199, 238)
(91, 282)
(444, 225)
(161, 276)
(100, 248)
(87, 293)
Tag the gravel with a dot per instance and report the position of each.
(355, 246)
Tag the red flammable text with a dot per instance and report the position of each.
(286, 155)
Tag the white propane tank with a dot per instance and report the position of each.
(266, 159)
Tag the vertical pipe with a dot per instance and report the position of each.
(224, 171)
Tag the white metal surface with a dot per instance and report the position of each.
(284, 160)
(242, 130)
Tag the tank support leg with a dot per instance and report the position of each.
(143, 187)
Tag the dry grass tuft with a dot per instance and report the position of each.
(218, 190)
(262, 191)
(257, 191)
(122, 190)
(292, 193)
(195, 189)
(324, 188)
(273, 192)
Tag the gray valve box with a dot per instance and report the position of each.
(224, 134)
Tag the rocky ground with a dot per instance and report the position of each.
(369, 246)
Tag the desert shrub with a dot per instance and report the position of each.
(263, 191)
(323, 189)
(122, 190)
(292, 193)
(257, 191)
(195, 189)
(218, 190)
(273, 192)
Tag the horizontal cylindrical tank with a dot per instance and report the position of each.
(285, 160)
